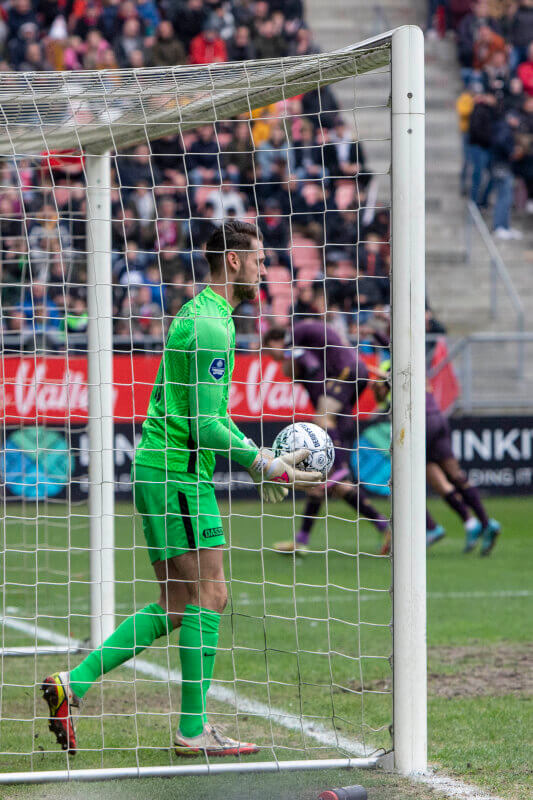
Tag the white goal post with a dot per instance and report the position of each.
(101, 113)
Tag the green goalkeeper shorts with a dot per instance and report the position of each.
(178, 515)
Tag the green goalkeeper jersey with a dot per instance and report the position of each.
(187, 421)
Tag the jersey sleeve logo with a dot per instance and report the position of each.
(217, 368)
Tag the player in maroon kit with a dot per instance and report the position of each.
(445, 476)
(314, 354)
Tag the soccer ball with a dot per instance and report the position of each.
(313, 438)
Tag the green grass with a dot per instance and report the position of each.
(297, 635)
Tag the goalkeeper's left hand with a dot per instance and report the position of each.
(274, 474)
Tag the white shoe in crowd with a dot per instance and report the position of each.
(507, 233)
(529, 206)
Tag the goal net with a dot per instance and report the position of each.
(112, 182)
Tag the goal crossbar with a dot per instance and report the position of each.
(96, 111)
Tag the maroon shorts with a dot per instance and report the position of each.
(438, 439)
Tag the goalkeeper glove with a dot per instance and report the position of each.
(274, 474)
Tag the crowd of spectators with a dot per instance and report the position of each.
(495, 109)
(294, 167)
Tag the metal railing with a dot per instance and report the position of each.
(487, 376)
(499, 274)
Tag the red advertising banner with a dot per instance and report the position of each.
(54, 389)
(444, 384)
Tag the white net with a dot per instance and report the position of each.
(303, 661)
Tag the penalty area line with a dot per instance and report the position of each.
(441, 783)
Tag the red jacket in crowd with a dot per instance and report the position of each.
(525, 73)
(206, 50)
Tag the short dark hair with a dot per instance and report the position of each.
(274, 335)
(233, 235)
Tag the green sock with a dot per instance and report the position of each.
(131, 637)
(198, 646)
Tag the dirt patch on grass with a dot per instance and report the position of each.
(474, 670)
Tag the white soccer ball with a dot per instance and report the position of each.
(313, 438)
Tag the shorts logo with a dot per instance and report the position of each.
(217, 368)
(210, 533)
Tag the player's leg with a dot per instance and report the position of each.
(440, 484)
(201, 570)
(357, 498)
(64, 690)
(326, 409)
(491, 528)
(335, 413)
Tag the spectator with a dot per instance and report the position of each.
(34, 59)
(190, 20)
(207, 47)
(150, 16)
(274, 226)
(309, 211)
(202, 161)
(464, 107)
(238, 160)
(137, 168)
(521, 32)
(28, 33)
(240, 47)
(48, 227)
(468, 35)
(222, 20)
(274, 149)
(87, 20)
(496, 75)
(306, 155)
(487, 43)
(227, 202)
(292, 9)
(96, 48)
(481, 131)
(170, 235)
(129, 268)
(73, 53)
(19, 14)
(303, 44)
(304, 307)
(523, 156)
(167, 51)
(502, 153)
(130, 40)
(267, 44)
(525, 71)
(350, 155)
(342, 237)
(76, 318)
(40, 312)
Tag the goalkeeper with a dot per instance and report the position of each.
(186, 425)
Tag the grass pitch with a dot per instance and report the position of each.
(308, 636)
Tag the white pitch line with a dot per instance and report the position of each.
(451, 787)
(443, 784)
(315, 730)
(372, 596)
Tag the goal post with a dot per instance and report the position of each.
(100, 385)
(408, 404)
(100, 116)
